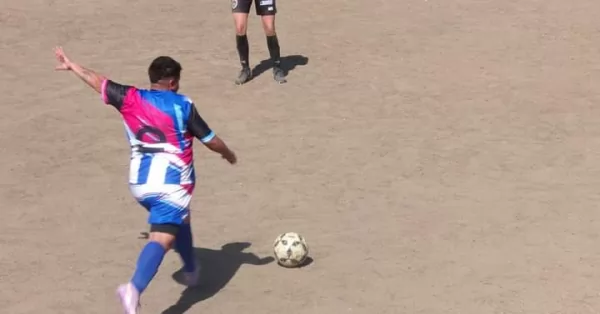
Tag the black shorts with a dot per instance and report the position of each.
(263, 7)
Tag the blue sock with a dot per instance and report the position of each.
(184, 246)
(147, 265)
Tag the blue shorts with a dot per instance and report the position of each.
(166, 204)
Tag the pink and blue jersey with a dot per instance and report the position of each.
(160, 126)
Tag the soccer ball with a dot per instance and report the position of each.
(290, 249)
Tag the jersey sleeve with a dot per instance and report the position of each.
(198, 127)
(114, 94)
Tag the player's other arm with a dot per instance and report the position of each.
(198, 127)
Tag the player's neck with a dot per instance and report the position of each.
(159, 87)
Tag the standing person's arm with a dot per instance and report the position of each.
(198, 127)
(112, 93)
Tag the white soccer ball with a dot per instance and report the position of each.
(290, 249)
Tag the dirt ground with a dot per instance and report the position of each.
(439, 157)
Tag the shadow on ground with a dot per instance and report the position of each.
(288, 64)
(218, 267)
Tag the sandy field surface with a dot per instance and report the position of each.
(439, 157)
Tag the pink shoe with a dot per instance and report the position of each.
(130, 298)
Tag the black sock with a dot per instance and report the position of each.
(273, 45)
(243, 49)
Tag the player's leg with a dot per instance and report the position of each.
(161, 239)
(167, 213)
(240, 10)
(267, 10)
(181, 196)
(184, 245)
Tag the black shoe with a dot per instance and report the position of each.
(244, 76)
(279, 75)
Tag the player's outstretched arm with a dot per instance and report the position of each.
(93, 79)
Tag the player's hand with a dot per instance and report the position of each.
(230, 157)
(64, 62)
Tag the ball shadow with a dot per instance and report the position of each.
(306, 263)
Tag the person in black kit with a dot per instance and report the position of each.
(266, 9)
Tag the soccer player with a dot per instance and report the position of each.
(266, 9)
(161, 125)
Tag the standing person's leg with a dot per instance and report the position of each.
(267, 9)
(240, 10)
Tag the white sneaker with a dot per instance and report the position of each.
(130, 298)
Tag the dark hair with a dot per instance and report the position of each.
(163, 68)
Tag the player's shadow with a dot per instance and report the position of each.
(288, 64)
(218, 267)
